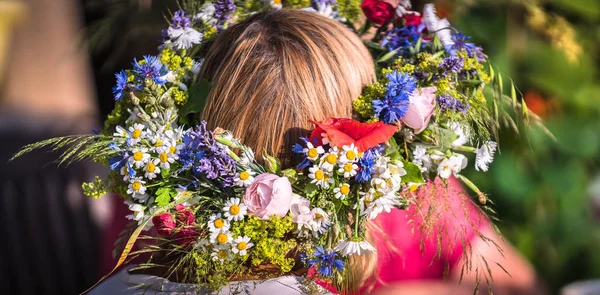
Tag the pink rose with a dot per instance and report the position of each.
(164, 224)
(301, 213)
(420, 109)
(187, 236)
(269, 195)
(185, 215)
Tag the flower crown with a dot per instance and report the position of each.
(227, 215)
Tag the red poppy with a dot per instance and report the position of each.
(342, 131)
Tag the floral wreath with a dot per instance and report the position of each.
(435, 99)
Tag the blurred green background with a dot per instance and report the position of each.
(547, 194)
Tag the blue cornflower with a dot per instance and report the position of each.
(300, 149)
(150, 69)
(392, 107)
(403, 38)
(121, 86)
(365, 165)
(461, 43)
(401, 83)
(325, 262)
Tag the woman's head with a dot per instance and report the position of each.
(276, 70)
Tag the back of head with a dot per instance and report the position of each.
(276, 70)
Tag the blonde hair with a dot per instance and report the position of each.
(275, 71)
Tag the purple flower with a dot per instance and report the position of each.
(179, 20)
(205, 158)
(121, 86)
(325, 262)
(150, 69)
(461, 43)
(402, 39)
(451, 64)
(447, 102)
(223, 10)
(365, 165)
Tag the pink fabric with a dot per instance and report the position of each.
(400, 257)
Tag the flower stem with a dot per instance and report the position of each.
(482, 197)
(465, 149)
(357, 214)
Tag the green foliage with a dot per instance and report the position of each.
(197, 99)
(350, 10)
(413, 173)
(164, 196)
(269, 238)
(94, 189)
(296, 4)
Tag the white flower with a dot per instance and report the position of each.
(312, 152)
(136, 187)
(216, 223)
(346, 248)
(320, 222)
(235, 210)
(220, 254)
(485, 156)
(184, 38)
(421, 158)
(140, 157)
(383, 204)
(329, 159)
(183, 192)
(136, 133)
(165, 157)
(319, 176)
(461, 131)
(325, 139)
(366, 199)
(244, 178)
(342, 191)
(127, 171)
(241, 245)
(441, 27)
(452, 166)
(206, 14)
(349, 154)
(301, 213)
(201, 244)
(379, 184)
(247, 157)
(120, 132)
(349, 169)
(137, 210)
(196, 66)
(221, 237)
(151, 170)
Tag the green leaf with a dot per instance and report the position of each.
(391, 149)
(513, 93)
(198, 94)
(311, 189)
(418, 45)
(387, 56)
(413, 173)
(272, 164)
(164, 173)
(164, 195)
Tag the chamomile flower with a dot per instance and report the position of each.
(165, 157)
(319, 176)
(136, 133)
(349, 154)
(140, 157)
(216, 223)
(346, 248)
(151, 169)
(342, 191)
(348, 169)
(137, 210)
(136, 187)
(312, 152)
(174, 148)
(379, 184)
(330, 159)
(220, 254)
(127, 171)
(244, 178)
(120, 132)
(221, 237)
(241, 245)
(320, 222)
(380, 205)
(235, 210)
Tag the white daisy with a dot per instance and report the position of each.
(136, 187)
(136, 133)
(349, 169)
(244, 178)
(183, 192)
(120, 132)
(165, 157)
(421, 158)
(349, 154)
(320, 222)
(137, 210)
(319, 176)
(151, 169)
(342, 191)
(312, 152)
(216, 223)
(485, 156)
(379, 184)
(329, 159)
(241, 245)
(346, 248)
(461, 131)
(380, 205)
(221, 237)
(127, 171)
(140, 157)
(220, 254)
(235, 210)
